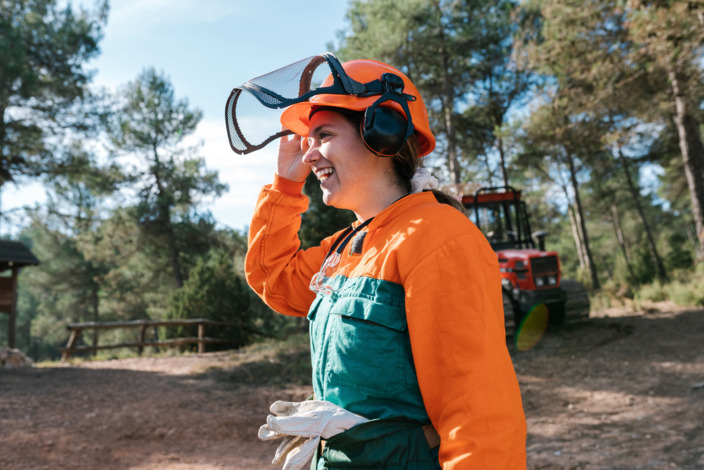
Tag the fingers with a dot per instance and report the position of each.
(290, 163)
(266, 433)
(300, 457)
(288, 444)
(290, 142)
(307, 426)
(283, 408)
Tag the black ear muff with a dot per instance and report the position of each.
(384, 130)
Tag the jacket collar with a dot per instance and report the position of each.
(400, 206)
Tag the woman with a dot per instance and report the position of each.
(405, 307)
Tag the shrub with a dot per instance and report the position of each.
(216, 292)
(654, 292)
(686, 290)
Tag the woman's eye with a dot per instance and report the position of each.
(319, 137)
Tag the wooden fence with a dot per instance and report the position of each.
(76, 330)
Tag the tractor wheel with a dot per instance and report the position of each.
(577, 304)
(509, 314)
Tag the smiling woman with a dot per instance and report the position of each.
(410, 365)
(351, 176)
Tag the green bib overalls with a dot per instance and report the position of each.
(362, 362)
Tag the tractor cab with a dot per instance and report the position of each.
(501, 215)
(530, 274)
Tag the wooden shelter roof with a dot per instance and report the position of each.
(15, 254)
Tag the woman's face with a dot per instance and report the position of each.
(351, 176)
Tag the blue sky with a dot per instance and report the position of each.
(207, 47)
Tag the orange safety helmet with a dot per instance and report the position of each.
(296, 117)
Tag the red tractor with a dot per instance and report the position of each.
(531, 275)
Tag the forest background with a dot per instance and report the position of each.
(593, 110)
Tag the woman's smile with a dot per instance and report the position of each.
(350, 175)
(323, 173)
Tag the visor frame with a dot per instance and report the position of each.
(342, 85)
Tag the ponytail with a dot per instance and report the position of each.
(407, 168)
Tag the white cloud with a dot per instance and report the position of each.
(245, 174)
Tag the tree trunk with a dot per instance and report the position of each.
(95, 301)
(618, 228)
(693, 157)
(635, 195)
(582, 226)
(174, 258)
(448, 102)
(575, 231)
(173, 249)
(452, 160)
(502, 156)
(577, 239)
(164, 218)
(489, 172)
(3, 136)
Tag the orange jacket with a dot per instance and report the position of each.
(453, 305)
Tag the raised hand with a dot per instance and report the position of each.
(290, 162)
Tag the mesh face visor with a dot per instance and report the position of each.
(251, 127)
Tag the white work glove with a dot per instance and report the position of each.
(302, 425)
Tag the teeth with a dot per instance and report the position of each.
(324, 173)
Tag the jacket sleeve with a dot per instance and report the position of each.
(456, 324)
(275, 266)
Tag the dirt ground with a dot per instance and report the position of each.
(621, 390)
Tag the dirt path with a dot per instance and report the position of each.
(151, 413)
(619, 391)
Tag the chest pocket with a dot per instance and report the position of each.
(368, 346)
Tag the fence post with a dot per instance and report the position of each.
(75, 334)
(202, 340)
(142, 337)
(201, 335)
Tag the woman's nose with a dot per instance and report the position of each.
(310, 151)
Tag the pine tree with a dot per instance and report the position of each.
(151, 124)
(43, 51)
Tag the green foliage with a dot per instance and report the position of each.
(66, 286)
(679, 256)
(100, 273)
(152, 116)
(151, 122)
(598, 139)
(459, 55)
(686, 293)
(44, 47)
(655, 292)
(627, 67)
(214, 291)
